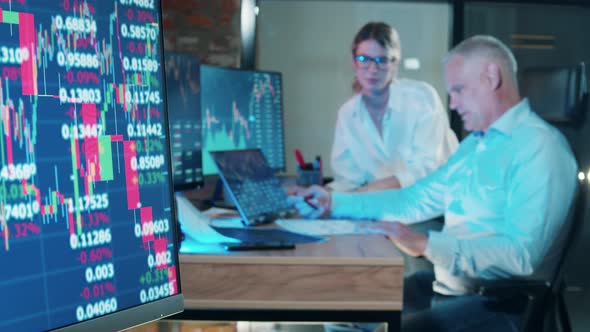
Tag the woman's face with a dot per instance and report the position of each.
(374, 66)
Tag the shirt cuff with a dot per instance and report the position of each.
(344, 204)
(405, 179)
(441, 249)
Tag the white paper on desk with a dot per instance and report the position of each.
(326, 226)
(227, 222)
(196, 225)
(220, 217)
(221, 213)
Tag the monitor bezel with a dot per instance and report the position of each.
(130, 317)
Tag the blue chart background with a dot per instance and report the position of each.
(42, 277)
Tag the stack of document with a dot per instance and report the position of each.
(196, 224)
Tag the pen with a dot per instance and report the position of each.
(300, 159)
(307, 200)
(318, 163)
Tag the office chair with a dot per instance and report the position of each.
(545, 308)
(559, 95)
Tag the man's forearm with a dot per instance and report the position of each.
(388, 183)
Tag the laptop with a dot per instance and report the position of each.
(252, 185)
(259, 198)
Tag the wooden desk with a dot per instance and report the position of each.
(356, 278)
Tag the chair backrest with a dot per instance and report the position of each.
(573, 235)
(558, 94)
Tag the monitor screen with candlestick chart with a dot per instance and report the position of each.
(87, 223)
(242, 109)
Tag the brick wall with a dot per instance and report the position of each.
(209, 29)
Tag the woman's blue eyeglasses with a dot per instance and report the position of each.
(381, 62)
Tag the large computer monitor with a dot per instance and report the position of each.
(88, 234)
(242, 109)
(184, 112)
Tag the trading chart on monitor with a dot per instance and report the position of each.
(86, 226)
(184, 110)
(242, 109)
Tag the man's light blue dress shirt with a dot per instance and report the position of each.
(504, 193)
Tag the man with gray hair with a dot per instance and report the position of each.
(505, 194)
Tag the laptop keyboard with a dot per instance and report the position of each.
(256, 190)
(261, 197)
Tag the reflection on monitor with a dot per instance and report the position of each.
(88, 236)
(242, 109)
(184, 113)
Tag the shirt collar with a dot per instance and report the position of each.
(362, 109)
(392, 96)
(512, 119)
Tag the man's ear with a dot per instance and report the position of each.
(493, 76)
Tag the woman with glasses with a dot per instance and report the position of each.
(393, 131)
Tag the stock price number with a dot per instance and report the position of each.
(90, 239)
(99, 273)
(159, 259)
(150, 228)
(77, 60)
(141, 32)
(14, 56)
(81, 131)
(21, 211)
(143, 97)
(145, 163)
(156, 292)
(148, 4)
(140, 64)
(18, 172)
(89, 203)
(80, 96)
(75, 24)
(95, 309)
(144, 130)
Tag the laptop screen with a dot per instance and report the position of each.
(252, 184)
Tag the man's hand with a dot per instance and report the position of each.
(407, 240)
(312, 202)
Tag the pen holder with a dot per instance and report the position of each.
(308, 177)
